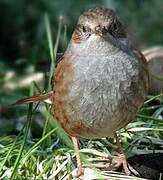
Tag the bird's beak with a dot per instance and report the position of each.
(100, 30)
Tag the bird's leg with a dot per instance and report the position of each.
(122, 158)
(77, 154)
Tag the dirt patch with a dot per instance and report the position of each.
(149, 166)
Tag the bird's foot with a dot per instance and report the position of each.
(78, 173)
(122, 161)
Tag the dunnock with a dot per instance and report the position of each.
(101, 81)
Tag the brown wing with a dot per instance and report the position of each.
(62, 82)
(58, 60)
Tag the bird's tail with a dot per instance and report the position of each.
(34, 98)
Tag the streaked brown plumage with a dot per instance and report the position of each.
(99, 44)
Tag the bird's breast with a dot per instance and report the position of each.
(105, 93)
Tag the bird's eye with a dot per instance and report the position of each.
(117, 30)
(84, 29)
(81, 33)
(114, 30)
(115, 27)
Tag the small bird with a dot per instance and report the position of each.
(100, 82)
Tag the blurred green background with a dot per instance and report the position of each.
(24, 51)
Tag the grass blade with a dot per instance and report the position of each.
(37, 144)
(28, 125)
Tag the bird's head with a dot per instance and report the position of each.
(98, 22)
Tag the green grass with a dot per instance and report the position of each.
(52, 157)
(22, 156)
